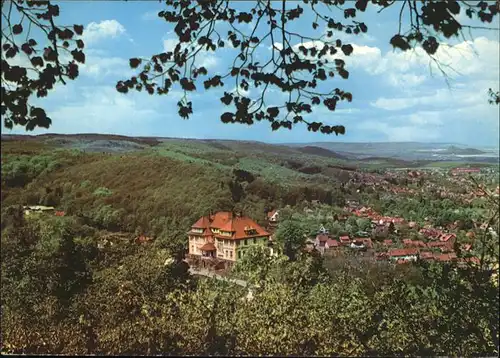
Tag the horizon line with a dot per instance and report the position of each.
(237, 140)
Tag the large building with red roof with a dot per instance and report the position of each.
(225, 235)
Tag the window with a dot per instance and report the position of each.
(246, 242)
(254, 240)
(239, 254)
(230, 254)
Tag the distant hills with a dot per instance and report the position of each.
(453, 150)
(406, 151)
(395, 151)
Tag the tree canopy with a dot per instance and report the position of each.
(305, 68)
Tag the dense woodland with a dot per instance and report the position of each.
(62, 293)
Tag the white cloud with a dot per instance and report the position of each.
(98, 67)
(424, 118)
(360, 38)
(443, 98)
(405, 80)
(455, 117)
(401, 133)
(104, 110)
(105, 29)
(477, 58)
(169, 44)
(150, 15)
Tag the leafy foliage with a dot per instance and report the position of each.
(291, 235)
(494, 97)
(28, 69)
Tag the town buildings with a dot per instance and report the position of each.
(225, 236)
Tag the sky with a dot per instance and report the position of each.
(397, 97)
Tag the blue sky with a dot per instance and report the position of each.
(396, 97)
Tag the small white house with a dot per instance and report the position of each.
(273, 216)
(38, 209)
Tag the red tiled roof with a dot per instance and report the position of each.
(446, 237)
(226, 221)
(436, 244)
(220, 219)
(208, 247)
(446, 257)
(332, 243)
(403, 252)
(388, 242)
(228, 226)
(426, 255)
(322, 237)
(442, 257)
(202, 223)
(344, 238)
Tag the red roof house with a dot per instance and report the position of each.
(426, 255)
(403, 253)
(331, 244)
(344, 240)
(447, 237)
(221, 229)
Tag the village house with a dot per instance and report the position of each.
(448, 238)
(332, 244)
(273, 217)
(426, 255)
(320, 242)
(38, 209)
(403, 254)
(225, 236)
(345, 240)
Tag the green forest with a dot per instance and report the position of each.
(65, 292)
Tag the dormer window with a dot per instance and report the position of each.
(250, 230)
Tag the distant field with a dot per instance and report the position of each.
(450, 165)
